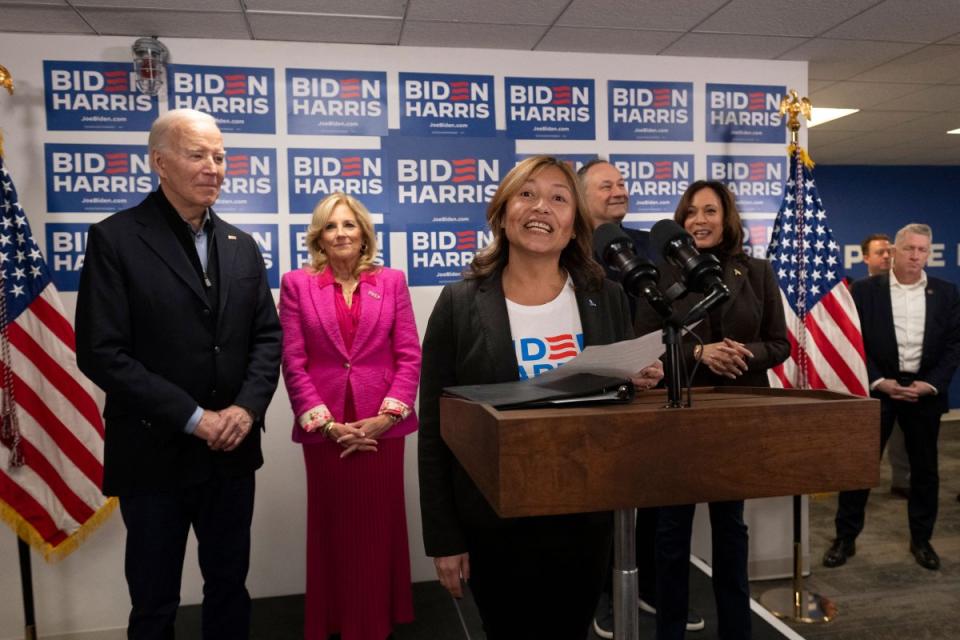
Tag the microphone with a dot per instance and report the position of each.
(637, 274)
(701, 271)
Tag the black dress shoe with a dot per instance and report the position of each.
(925, 555)
(839, 551)
(900, 492)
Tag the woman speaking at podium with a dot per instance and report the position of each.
(530, 301)
(741, 339)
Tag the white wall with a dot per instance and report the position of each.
(86, 590)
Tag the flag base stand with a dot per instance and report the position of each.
(796, 604)
(30, 633)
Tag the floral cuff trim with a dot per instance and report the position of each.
(315, 418)
(394, 407)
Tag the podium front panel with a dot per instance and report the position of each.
(734, 443)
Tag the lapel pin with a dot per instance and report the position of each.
(591, 302)
(373, 294)
(929, 292)
(231, 237)
(736, 272)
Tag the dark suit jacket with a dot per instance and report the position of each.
(147, 336)
(941, 334)
(753, 315)
(468, 342)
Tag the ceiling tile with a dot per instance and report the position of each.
(606, 40)
(43, 19)
(819, 85)
(861, 95)
(676, 15)
(784, 17)
(721, 45)
(818, 139)
(542, 12)
(392, 8)
(482, 36)
(936, 63)
(302, 28)
(173, 24)
(57, 3)
(935, 124)
(903, 21)
(190, 5)
(840, 59)
(935, 98)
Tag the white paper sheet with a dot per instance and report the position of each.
(620, 359)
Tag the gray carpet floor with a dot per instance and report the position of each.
(882, 593)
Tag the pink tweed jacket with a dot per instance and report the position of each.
(382, 367)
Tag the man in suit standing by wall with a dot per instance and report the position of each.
(911, 335)
(877, 255)
(607, 200)
(176, 323)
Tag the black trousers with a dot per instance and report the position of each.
(220, 511)
(539, 578)
(920, 423)
(730, 546)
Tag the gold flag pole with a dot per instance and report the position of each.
(6, 82)
(23, 549)
(795, 603)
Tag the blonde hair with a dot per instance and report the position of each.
(322, 213)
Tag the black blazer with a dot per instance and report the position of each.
(146, 335)
(941, 334)
(753, 315)
(468, 342)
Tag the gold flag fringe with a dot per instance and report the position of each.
(804, 156)
(52, 554)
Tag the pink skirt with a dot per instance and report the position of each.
(358, 560)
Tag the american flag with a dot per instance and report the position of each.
(51, 437)
(826, 345)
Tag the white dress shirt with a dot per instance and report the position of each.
(909, 303)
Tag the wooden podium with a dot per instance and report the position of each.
(734, 443)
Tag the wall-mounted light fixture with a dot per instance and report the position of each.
(150, 65)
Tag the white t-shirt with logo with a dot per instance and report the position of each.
(546, 335)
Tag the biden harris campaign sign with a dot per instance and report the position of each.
(756, 181)
(744, 113)
(324, 102)
(250, 182)
(86, 96)
(89, 178)
(649, 110)
(66, 245)
(552, 108)
(268, 241)
(313, 174)
(240, 98)
(438, 254)
(446, 104)
(573, 160)
(299, 255)
(654, 183)
(444, 180)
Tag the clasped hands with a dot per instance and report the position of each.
(224, 430)
(727, 358)
(648, 377)
(911, 393)
(361, 435)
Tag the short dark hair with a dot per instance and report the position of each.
(732, 241)
(865, 245)
(582, 171)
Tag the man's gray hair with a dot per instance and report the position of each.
(914, 227)
(170, 121)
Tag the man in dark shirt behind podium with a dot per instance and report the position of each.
(607, 199)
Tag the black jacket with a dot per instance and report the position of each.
(468, 342)
(147, 336)
(941, 335)
(753, 315)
